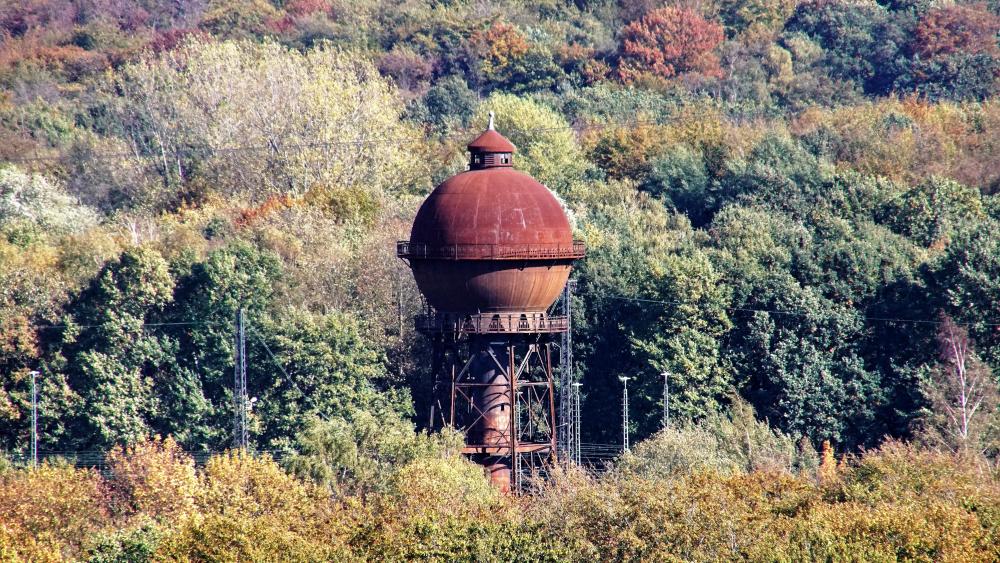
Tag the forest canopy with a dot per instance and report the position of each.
(789, 206)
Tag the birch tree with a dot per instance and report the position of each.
(962, 394)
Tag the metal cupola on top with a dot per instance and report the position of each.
(491, 250)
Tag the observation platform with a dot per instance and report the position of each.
(505, 449)
(542, 251)
(491, 323)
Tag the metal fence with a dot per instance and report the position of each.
(491, 323)
(540, 251)
(98, 460)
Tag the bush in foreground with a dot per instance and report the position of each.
(897, 502)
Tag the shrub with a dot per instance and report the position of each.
(249, 509)
(723, 443)
(49, 512)
(362, 455)
(154, 478)
(133, 545)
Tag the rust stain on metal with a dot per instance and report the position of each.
(478, 207)
(491, 238)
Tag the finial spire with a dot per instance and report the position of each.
(490, 126)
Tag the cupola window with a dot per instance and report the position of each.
(490, 150)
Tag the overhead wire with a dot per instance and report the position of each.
(253, 333)
(98, 459)
(589, 451)
(44, 326)
(789, 312)
(793, 312)
(281, 367)
(299, 147)
(396, 142)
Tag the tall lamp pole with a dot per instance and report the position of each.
(625, 447)
(666, 398)
(34, 419)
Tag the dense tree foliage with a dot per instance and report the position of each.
(788, 205)
(736, 243)
(667, 42)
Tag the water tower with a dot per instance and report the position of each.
(491, 250)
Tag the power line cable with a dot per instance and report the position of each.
(299, 147)
(252, 331)
(43, 326)
(281, 367)
(792, 312)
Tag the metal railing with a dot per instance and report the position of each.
(98, 459)
(491, 323)
(539, 251)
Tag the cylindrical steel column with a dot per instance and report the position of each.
(492, 401)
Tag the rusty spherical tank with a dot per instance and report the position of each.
(491, 239)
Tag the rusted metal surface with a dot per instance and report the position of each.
(501, 395)
(491, 323)
(504, 451)
(491, 141)
(492, 206)
(490, 286)
(498, 470)
(491, 250)
(492, 402)
(491, 240)
(409, 250)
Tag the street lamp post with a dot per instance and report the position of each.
(624, 380)
(666, 398)
(34, 419)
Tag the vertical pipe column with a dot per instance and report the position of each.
(491, 398)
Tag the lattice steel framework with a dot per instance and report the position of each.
(568, 422)
(500, 390)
